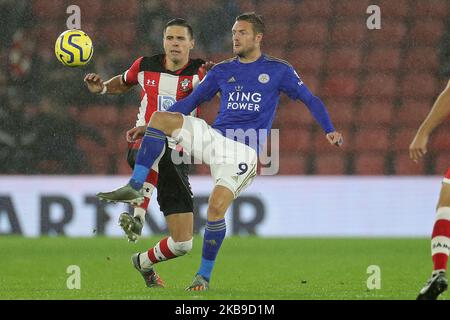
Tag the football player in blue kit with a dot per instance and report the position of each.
(250, 85)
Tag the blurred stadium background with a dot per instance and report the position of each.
(59, 144)
(377, 84)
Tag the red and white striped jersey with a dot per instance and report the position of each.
(161, 88)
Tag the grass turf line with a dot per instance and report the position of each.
(246, 268)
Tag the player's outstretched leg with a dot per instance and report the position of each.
(132, 226)
(437, 284)
(126, 194)
(151, 151)
(151, 278)
(198, 284)
(440, 245)
(165, 249)
(215, 231)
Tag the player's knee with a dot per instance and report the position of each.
(182, 247)
(167, 122)
(216, 209)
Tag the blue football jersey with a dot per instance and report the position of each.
(249, 95)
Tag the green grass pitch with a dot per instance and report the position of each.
(246, 268)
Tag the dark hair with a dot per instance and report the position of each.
(182, 23)
(255, 19)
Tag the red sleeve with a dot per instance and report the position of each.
(201, 73)
(131, 75)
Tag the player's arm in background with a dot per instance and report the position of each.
(294, 87)
(438, 113)
(205, 91)
(116, 85)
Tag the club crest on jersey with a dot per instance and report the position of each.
(263, 78)
(185, 85)
(165, 102)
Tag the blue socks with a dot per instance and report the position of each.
(152, 147)
(214, 235)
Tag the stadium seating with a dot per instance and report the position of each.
(122, 166)
(333, 163)
(426, 32)
(419, 85)
(292, 164)
(344, 59)
(412, 112)
(315, 8)
(311, 32)
(403, 165)
(441, 164)
(121, 35)
(374, 139)
(349, 32)
(375, 113)
(321, 145)
(391, 33)
(351, 8)
(247, 6)
(49, 9)
(340, 86)
(307, 58)
(402, 138)
(127, 117)
(278, 36)
(378, 85)
(422, 59)
(440, 141)
(341, 111)
(383, 59)
(369, 163)
(91, 11)
(292, 114)
(101, 115)
(295, 139)
(431, 8)
(285, 10)
(121, 10)
(394, 9)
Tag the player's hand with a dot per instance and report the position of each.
(136, 133)
(93, 82)
(208, 65)
(335, 138)
(418, 147)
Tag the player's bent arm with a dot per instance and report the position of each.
(293, 86)
(205, 91)
(116, 85)
(438, 113)
(317, 109)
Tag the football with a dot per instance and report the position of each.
(74, 48)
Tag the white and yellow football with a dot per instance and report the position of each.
(74, 48)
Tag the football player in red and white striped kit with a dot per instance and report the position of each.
(440, 238)
(164, 79)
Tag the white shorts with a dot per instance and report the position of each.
(232, 164)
